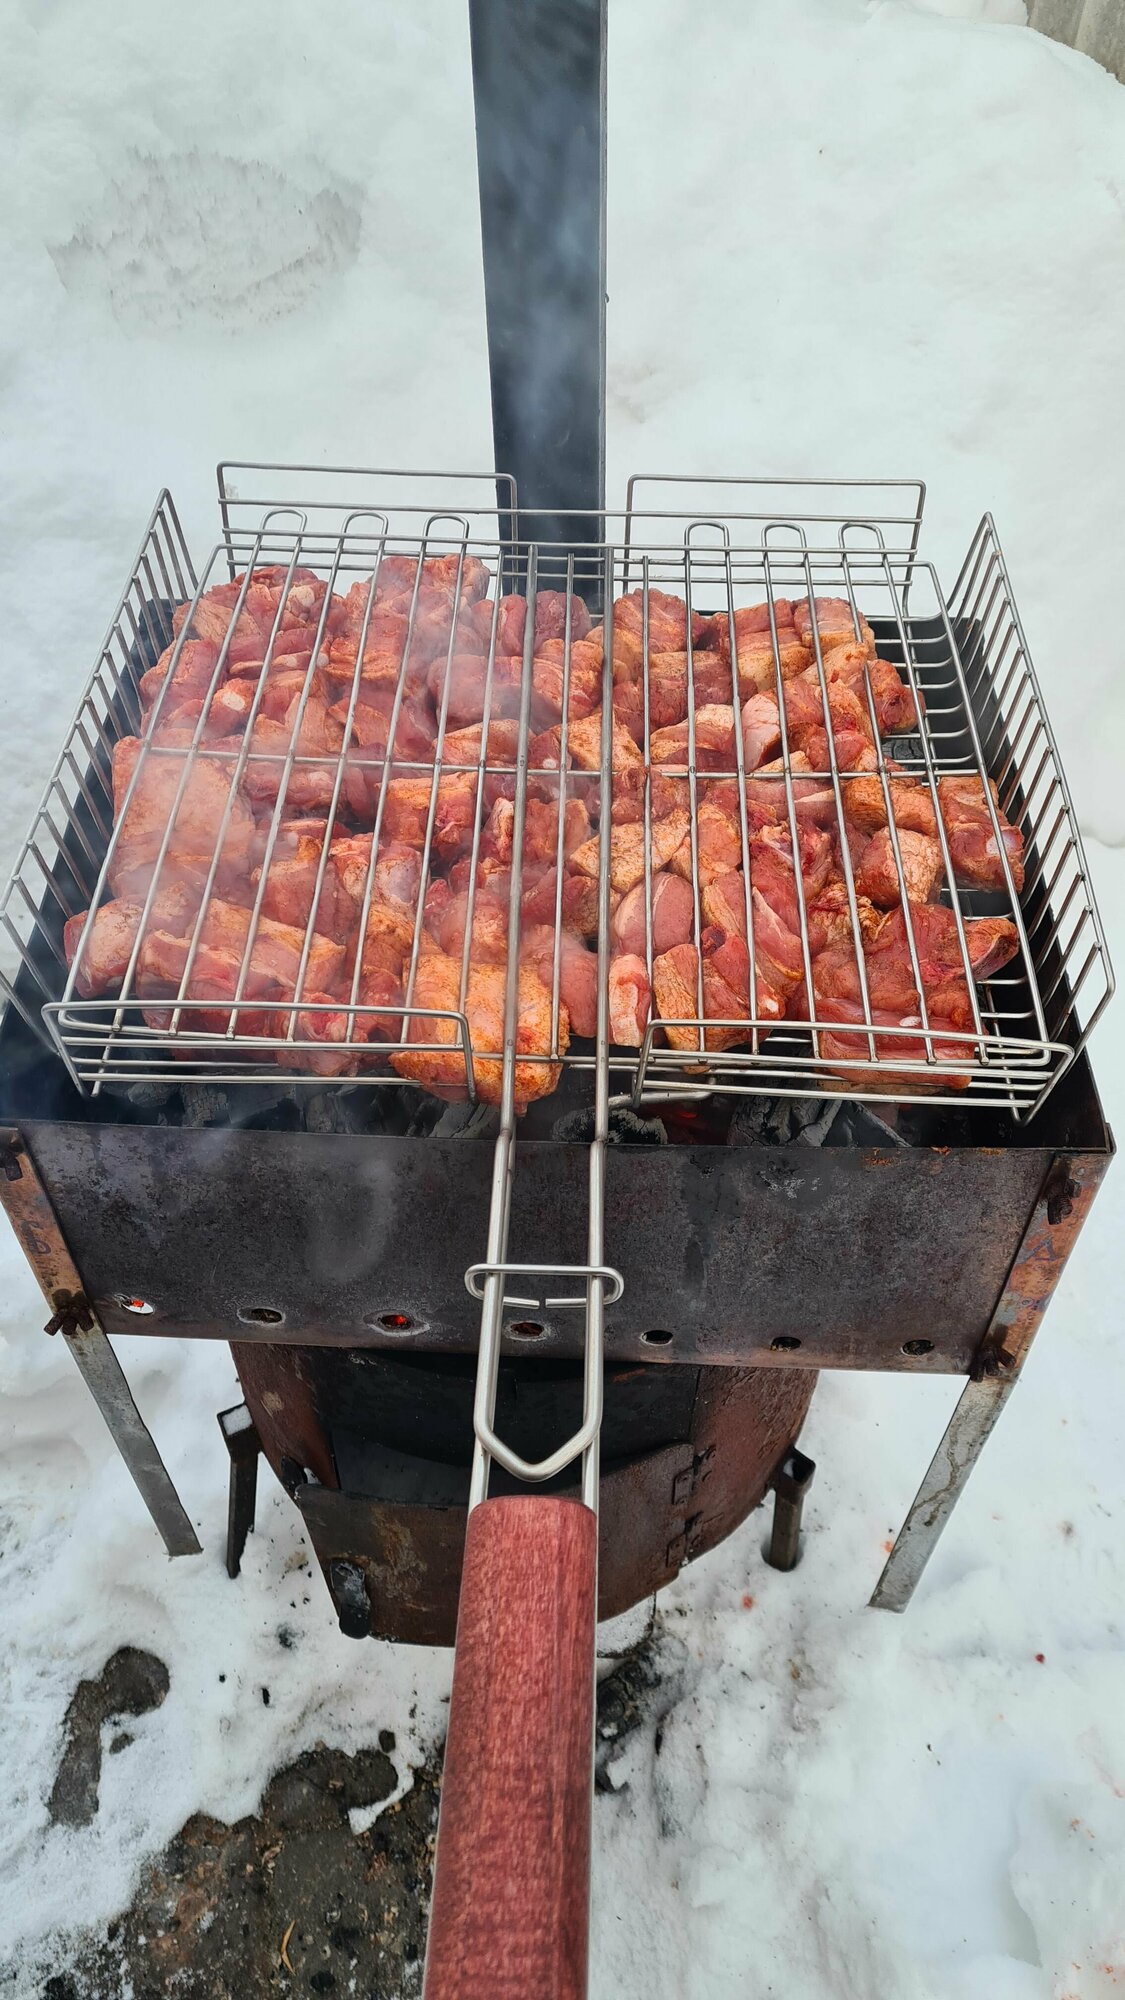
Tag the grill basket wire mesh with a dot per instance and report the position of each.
(966, 657)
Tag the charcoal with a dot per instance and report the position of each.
(151, 1096)
(431, 1116)
(204, 1104)
(256, 1107)
(858, 1125)
(626, 1128)
(468, 1121)
(344, 1110)
(779, 1121)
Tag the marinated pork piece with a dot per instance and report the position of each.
(447, 914)
(113, 934)
(407, 806)
(895, 711)
(272, 973)
(761, 730)
(852, 741)
(673, 916)
(324, 1022)
(579, 901)
(922, 869)
(630, 1000)
(438, 985)
(470, 691)
(668, 684)
(865, 803)
(973, 847)
(847, 1051)
(718, 842)
(196, 822)
(388, 942)
(814, 800)
(190, 678)
(550, 620)
(835, 624)
(627, 851)
(578, 973)
(712, 729)
(778, 959)
(667, 629)
(540, 831)
(726, 991)
(583, 689)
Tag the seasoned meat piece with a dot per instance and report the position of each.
(323, 1022)
(877, 875)
(761, 730)
(438, 985)
(830, 921)
(912, 804)
(196, 822)
(758, 663)
(714, 741)
(407, 809)
(447, 913)
(667, 629)
(848, 1051)
(579, 901)
(835, 624)
(540, 831)
(578, 973)
(113, 933)
(550, 620)
(388, 940)
(584, 691)
(291, 884)
(852, 740)
(675, 987)
(466, 677)
(895, 712)
(778, 959)
(630, 1000)
(718, 846)
(813, 798)
(973, 847)
(275, 959)
(397, 875)
(673, 916)
(627, 851)
(191, 678)
(463, 746)
(313, 734)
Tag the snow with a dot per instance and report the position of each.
(848, 237)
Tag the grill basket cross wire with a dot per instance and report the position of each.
(979, 714)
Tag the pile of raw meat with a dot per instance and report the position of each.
(316, 835)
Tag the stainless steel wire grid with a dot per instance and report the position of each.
(717, 546)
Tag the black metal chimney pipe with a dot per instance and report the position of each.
(539, 85)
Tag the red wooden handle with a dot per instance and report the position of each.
(512, 1872)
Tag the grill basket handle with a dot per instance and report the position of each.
(510, 1909)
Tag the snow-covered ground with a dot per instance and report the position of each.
(845, 238)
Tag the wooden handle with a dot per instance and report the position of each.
(512, 1872)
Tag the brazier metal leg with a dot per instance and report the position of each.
(104, 1377)
(29, 1211)
(244, 1445)
(790, 1483)
(978, 1407)
(1063, 1205)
